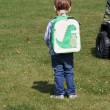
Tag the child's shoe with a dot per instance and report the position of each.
(57, 96)
(72, 96)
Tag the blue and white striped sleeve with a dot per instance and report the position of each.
(47, 33)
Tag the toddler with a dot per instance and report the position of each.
(62, 64)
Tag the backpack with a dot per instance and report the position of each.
(65, 35)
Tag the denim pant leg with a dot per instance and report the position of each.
(58, 74)
(69, 74)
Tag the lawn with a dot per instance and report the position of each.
(26, 77)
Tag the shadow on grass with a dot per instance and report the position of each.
(93, 52)
(43, 86)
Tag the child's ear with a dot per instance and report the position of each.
(69, 9)
(55, 8)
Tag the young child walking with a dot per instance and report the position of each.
(62, 63)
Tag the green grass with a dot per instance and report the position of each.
(26, 77)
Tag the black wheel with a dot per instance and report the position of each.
(103, 45)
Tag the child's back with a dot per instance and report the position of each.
(65, 35)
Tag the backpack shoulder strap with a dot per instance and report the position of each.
(71, 17)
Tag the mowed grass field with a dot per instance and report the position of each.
(26, 77)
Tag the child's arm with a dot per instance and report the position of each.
(47, 34)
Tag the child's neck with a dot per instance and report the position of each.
(62, 13)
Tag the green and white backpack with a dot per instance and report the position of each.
(65, 35)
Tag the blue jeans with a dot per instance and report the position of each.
(62, 65)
